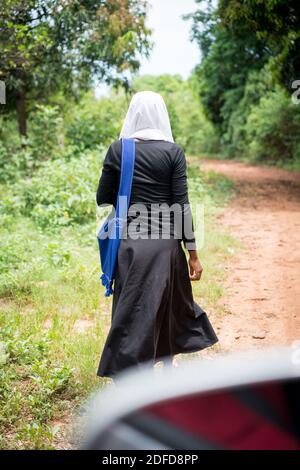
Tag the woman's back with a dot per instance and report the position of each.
(159, 174)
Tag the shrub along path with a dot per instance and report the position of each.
(262, 298)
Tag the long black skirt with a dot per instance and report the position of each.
(154, 315)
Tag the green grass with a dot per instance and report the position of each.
(54, 317)
(53, 325)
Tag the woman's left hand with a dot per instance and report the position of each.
(195, 268)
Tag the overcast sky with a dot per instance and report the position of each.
(173, 52)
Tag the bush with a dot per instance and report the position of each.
(15, 162)
(93, 121)
(234, 139)
(62, 192)
(45, 132)
(10, 255)
(45, 141)
(265, 126)
(273, 129)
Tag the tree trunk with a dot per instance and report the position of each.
(21, 110)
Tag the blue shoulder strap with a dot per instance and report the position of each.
(127, 166)
(109, 246)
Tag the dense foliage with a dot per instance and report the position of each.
(250, 59)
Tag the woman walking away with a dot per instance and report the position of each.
(154, 315)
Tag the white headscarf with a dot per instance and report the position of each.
(147, 118)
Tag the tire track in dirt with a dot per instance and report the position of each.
(262, 284)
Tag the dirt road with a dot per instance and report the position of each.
(262, 286)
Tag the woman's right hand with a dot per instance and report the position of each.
(195, 268)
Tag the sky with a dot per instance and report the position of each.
(173, 52)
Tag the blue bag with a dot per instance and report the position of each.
(110, 234)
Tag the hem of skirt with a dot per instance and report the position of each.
(112, 375)
(189, 351)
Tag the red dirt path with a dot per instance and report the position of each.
(262, 286)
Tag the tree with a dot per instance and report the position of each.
(239, 40)
(229, 56)
(51, 45)
(277, 23)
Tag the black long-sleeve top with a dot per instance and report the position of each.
(159, 178)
